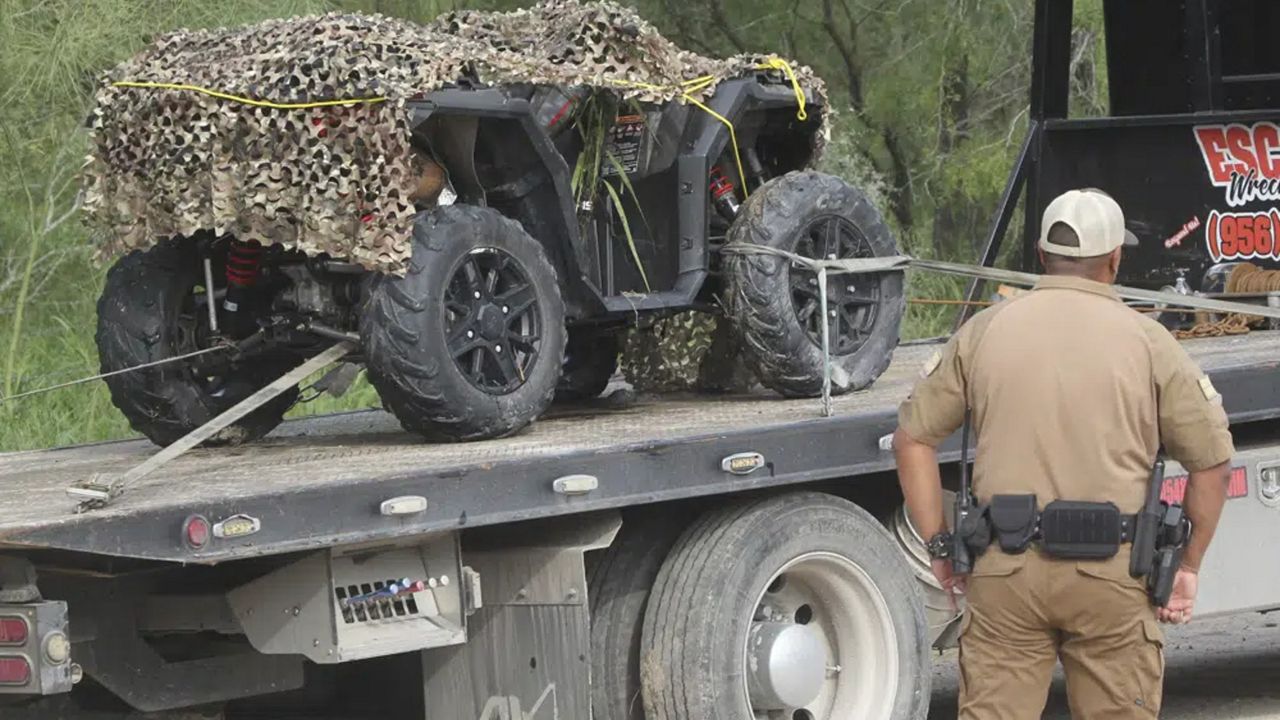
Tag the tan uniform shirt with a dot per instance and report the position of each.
(1072, 393)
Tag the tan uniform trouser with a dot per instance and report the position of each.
(1027, 611)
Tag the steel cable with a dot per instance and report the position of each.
(100, 376)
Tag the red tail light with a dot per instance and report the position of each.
(14, 671)
(13, 630)
(195, 532)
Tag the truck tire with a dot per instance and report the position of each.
(774, 302)
(618, 582)
(795, 585)
(591, 359)
(146, 313)
(477, 286)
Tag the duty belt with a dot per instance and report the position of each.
(1070, 529)
(1065, 528)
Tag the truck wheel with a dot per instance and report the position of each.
(795, 607)
(591, 359)
(618, 582)
(468, 344)
(150, 310)
(775, 303)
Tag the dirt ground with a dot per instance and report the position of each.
(1220, 668)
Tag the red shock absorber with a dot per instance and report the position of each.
(722, 193)
(243, 260)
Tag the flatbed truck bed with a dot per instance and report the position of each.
(320, 482)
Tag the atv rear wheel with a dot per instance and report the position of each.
(152, 308)
(468, 344)
(775, 302)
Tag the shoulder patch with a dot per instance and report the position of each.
(931, 364)
(1206, 387)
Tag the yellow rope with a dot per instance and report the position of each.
(777, 63)
(246, 100)
(733, 138)
(689, 87)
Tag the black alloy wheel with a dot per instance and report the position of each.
(492, 321)
(852, 300)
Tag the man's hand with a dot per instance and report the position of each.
(953, 584)
(1183, 599)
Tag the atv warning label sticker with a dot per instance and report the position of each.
(1244, 162)
(625, 143)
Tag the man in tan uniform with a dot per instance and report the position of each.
(1072, 394)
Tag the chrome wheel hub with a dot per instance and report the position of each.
(786, 665)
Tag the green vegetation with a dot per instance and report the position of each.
(930, 98)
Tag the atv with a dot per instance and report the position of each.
(546, 219)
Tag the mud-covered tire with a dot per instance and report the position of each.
(783, 353)
(138, 316)
(590, 361)
(404, 328)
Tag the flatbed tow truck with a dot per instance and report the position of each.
(685, 558)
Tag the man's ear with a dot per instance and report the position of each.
(1040, 254)
(1114, 264)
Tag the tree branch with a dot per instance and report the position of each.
(844, 46)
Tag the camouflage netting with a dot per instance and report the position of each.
(689, 351)
(336, 179)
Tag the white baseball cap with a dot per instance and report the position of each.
(1094, 216)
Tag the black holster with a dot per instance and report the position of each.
(1171, 542)
(1160, 537)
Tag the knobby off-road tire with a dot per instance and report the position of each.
(810, 560)
(591, 359)
(781, 339)
(146, 313)
(406, 324)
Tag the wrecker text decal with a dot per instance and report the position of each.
(1244, 161)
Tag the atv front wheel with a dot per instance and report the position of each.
(468, 344)
(152, 308)
(775, 304)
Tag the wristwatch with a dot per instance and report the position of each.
(940, 546)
